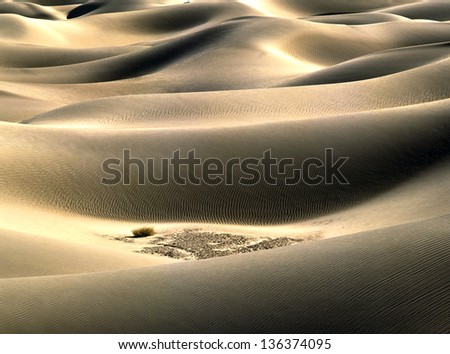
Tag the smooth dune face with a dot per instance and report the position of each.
(300, 8)
(36, 256)
(431, 10)
(80, 82)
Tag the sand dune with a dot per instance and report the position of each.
(23, 56)
(300, 8)
(224, 108)
(427, 10)
(377, 65)
(388, 281)
(391, 151)
(82, 81)
(30, 10)
(25, 255)
(356, 18)
(386, 92)
(97, 7)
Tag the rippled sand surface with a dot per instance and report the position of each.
(82, 81)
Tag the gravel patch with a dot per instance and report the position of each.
(202, 245)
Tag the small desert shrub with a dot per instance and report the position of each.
(143, 232)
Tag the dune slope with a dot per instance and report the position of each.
(363, 85)
(387, 281)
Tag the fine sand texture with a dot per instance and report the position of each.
(83, 81)
(383, 281)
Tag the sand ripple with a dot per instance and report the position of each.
(82, 81)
